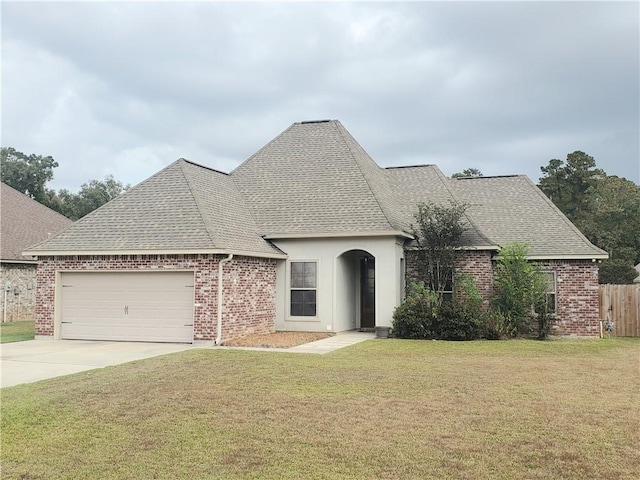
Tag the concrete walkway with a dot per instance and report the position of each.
(34, 360)
(326, 345)
(339, 340)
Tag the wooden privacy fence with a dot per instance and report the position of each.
(621, 305)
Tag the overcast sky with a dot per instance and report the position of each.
(127, 88)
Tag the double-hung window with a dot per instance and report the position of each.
(550, 293)
(303, 289)
(447, 290)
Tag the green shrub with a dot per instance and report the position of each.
(469, 290)
(519, 288)
(419, 316)
(415, 317)
(459, 321)
(494, 325)
(545, 319)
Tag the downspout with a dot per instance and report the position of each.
(5, 288)
(220, 265)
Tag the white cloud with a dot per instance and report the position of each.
(126, 88)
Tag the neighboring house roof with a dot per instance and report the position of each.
(313, 180)
(637, 279)
(184, 208)
(512, 208)
(23, 222)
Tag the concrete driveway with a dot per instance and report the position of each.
(34, 360)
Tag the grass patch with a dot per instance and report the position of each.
(380, 409)
(17, 331)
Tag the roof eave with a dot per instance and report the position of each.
(196, 251)
(385, 233)
(592, 257)
(13, 260)
(468, 247)
(479, 247)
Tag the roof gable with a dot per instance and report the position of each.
(24, 222)
(315, 179)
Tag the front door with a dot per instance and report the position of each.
(367, 292)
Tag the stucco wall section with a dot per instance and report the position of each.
(337, 296)
(248, 289)
(21, 295)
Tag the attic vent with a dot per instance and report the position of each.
(314, 121)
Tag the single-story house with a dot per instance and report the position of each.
(23, 222)
(308, 234)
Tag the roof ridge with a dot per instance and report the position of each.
(384, 213)
(195, 164)
(215, 240)
(211, 231)
(420, 165)
(485, 177)
(250, 210)
(562, 216)
(445, 181)
(91, 214)
(273, 140)
(201, 182)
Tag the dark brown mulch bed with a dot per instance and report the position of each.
(276, 339)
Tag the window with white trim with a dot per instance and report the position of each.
(447, 291)
(303, 289)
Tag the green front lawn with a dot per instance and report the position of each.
(381, 409)
(17, 331)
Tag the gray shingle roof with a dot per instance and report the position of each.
(427, 184)
(23, 222)
(314, 178)
(512, 208)
(184, 207)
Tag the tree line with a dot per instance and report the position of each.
(30, 174)
(605, 208)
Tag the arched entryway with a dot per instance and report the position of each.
(356, 290)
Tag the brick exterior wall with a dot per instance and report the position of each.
(577, 300)
(21, 296)
(477, 264)
(248, 289)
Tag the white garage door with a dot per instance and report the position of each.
(129, 306)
